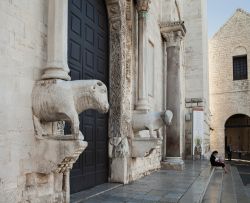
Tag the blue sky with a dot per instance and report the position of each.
(219, 11)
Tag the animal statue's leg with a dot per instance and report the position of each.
(39, 131)
(159, 134)
(151, 132)
(74, 121)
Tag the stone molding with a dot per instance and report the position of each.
(173, 32)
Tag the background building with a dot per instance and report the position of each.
(229, 84)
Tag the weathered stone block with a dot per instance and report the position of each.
(172, 164)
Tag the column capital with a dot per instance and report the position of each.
(142, 7)
(173, 32)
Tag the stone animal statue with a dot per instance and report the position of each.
(59, 100)
(151, 121)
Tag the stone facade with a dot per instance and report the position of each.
(23, 56)
(140, 59)
(228, 96)
(196, 72)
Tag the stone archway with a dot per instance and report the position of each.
(237, 136)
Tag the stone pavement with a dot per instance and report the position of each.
(161, 186)
(226, 188)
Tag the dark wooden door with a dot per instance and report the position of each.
(88, 59)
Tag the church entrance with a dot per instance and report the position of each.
(88, 58)
(237, 136)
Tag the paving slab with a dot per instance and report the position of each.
(213, 192)
(228, 193)
(86, 194)
(164, 186)
(197, 190)
(239, 188)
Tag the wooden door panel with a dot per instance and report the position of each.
(88, 59)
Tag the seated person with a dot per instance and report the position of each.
(215, 161)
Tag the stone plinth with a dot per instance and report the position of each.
(173, 163)
(142, 147)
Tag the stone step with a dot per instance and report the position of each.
(226, 188)
(228, 192)
(87, 194)
(196, 191)
(239, 188)
(214, 189)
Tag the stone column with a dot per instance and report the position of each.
(173, 34)
(57, 58)
(57, 65)
(142, 8)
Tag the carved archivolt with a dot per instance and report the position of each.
(118, 128)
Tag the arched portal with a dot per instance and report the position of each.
(237, 136)
(113, 18)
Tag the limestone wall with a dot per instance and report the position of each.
(22, 56)
(196, 68)
(228, 96)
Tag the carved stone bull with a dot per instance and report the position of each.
(151, 121)
(59, 100)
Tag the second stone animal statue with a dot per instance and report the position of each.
(151, 121)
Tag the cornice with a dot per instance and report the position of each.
(174, 26)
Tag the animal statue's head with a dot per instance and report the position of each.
(100, 96)
(167, 117)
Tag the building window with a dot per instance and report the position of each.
(240, 67)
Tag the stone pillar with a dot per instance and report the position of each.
(142, 8)
(173, 34)
(57, 65)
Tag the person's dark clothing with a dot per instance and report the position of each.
(229, 153)
(216, 163)
(239, 153)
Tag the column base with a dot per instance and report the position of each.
(173, 163)
(55, 73)
(142, 105)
